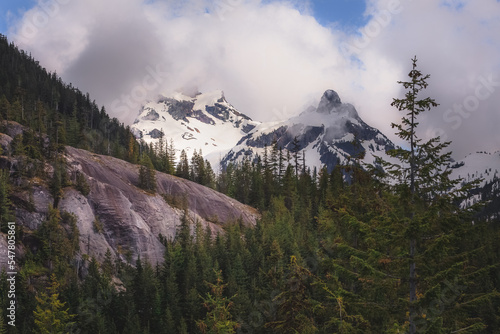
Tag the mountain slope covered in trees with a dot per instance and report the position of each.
(364, 256)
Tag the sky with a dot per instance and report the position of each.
(274, 58)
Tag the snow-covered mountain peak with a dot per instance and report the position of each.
(202, 121)
(330, 134)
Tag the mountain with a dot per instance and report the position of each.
(484, 166)
(327, 135)
(204, 122)
(115, 214)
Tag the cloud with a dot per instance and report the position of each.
(458, 45)
(273, 58)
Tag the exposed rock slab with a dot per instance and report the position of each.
(116, 214)
(131, 219)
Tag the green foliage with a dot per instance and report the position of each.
(347, 232)
(59, 244)
(183, 166)
(97, 225)
(3, 325)
(176, 201)
(82, 185)
(218, 319)
(50, 315)
(18, 146)
(59, 180)
(295, 308)
(147, 175)
(429, 219)
(5, 203)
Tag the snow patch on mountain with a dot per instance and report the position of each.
(205, 122)
(479, 165)
(329, 134)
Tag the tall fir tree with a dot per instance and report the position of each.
(51, 316)
(147, 174)
(428, 196)
(183, 166)
(5, 203)
(219, 319)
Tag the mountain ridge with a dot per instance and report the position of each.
(200, 122)
(329, 134)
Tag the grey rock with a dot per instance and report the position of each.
(133, 219)
(329, 101)
(12, 128)
(151, 116)
(119, 216)
(155, 134)
(5, 141)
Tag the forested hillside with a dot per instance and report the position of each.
(38, 99)
(357, 250)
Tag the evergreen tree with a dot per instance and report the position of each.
(294, 314)
(59, 180)
(97, 294)
(290, 188)
(5, 109)
(170, 158)
(73, 127)
(3, 326)
(147, 174)
(209, 175)
(160, 153)
(18, 145)
(41, 114)
(5, 213)
(132, 148)
(145, 292)
(52, 237)
(257, 199)
(81, 184)
(50, 315)
(219, 319)
(296, 155)
(183, 166)
(428, 195)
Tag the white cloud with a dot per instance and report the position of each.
(458, 44)
(273, 56)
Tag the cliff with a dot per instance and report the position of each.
(118, 215)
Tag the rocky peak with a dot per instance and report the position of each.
(200, 121)
(329, 101)
(330, 134)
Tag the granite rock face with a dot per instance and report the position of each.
(119, 216)
(133, 219)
